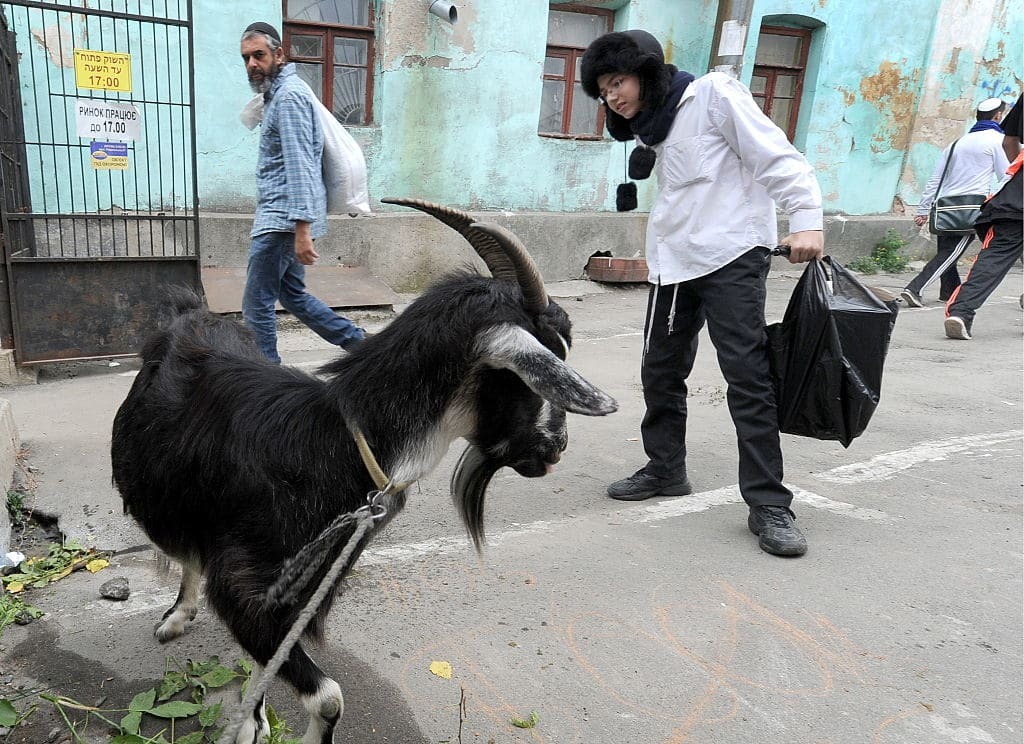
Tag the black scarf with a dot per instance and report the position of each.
(652, 126)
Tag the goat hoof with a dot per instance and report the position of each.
(168, 630)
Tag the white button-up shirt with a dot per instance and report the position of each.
(719, 168)
(978, 162)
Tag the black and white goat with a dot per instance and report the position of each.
(232, 464)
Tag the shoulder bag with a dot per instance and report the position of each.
(953, 215)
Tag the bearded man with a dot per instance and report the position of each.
(291, 209)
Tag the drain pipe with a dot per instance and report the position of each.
(444, 10)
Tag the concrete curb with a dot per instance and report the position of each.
(9, 446)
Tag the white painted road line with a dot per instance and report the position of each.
(888, 465)
(880, 467)
(640, 514)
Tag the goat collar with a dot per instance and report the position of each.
(380, 480)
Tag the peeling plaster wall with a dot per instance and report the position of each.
(455, 108)
(859, 94)
(976, 53)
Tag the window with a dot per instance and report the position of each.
(331, 44)
(565, 110)
(778, 78)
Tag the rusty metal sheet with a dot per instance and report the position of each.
(88, 309)
(337, 286)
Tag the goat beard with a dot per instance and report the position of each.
(473, 473)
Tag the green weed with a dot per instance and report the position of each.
(885, 257)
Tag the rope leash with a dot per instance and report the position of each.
(365, 518)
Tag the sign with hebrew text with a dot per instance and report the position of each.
(96, 70)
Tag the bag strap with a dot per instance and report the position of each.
(949, 159)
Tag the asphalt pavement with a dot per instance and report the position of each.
(659, 622)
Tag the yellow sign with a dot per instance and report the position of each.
(103, 70)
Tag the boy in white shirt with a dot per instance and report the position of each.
(722, 165)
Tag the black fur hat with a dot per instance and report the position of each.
(633, 51)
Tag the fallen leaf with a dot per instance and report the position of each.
(15, 587)
(8, 715)
(528, 723)
(96, 565)
(441, 669)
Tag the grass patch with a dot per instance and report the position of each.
(16, 509)
(886, 256)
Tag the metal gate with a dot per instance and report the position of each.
(100, 210)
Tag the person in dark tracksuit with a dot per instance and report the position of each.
(1002, 240)
(722, 165)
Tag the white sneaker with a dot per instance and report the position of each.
(957, 328)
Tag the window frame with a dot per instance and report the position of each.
(571, 55)
(771, 72)
(328, 32)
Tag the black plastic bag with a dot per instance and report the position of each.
(828, 352)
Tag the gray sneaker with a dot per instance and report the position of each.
(912, 298)
(776, 530)
(642, 485)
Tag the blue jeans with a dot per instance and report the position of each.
(275, 275)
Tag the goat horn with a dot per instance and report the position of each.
(502, 252)
(535, 295)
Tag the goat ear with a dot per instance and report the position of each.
(513, 348)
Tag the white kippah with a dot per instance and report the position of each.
(989, 104)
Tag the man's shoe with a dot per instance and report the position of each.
(777, 531)
(642, 485)
(958, 328)
(912, 298)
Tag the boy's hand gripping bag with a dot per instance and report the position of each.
(827, 354)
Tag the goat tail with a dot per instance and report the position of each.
(472, 475)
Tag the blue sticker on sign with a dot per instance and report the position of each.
(109, 155)
(103, 150)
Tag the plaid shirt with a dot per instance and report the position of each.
(289, 179)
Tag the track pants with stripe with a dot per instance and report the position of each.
(1002, 247)
(948, 250)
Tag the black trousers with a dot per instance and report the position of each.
(948, 249)
(731, 301)
(1002, 248)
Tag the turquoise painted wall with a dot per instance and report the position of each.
(456, 108)
(858, 128)
(226, 149)
(860, 94)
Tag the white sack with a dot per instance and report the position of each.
(343, 164)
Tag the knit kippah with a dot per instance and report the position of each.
(264, 28)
